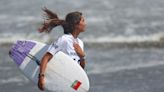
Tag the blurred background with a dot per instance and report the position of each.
(124, 41)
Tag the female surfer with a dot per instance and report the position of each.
(69, 43)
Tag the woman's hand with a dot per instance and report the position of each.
(41, 83)
(78, 50)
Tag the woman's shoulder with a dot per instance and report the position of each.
(64, 38)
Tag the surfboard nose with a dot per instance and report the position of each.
(20, 50)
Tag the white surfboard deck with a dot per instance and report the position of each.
(62, 74)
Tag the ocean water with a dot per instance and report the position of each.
(124, 42)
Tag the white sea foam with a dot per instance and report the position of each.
(14, 80)
(129, 39)
(105, 68)
(7, 19)
(97, 19)
(10, 38)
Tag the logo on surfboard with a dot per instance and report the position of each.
(76, 84)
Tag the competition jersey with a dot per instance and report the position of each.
(65, 44)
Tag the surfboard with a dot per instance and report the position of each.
(62, 74)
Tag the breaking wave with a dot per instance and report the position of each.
(154, 40)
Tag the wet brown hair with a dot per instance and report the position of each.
(52, 20)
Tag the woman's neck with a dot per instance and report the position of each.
(75, 33)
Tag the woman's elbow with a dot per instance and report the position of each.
(46, 57)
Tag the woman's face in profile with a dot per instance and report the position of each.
(82, 25)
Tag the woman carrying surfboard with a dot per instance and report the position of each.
(69, 43)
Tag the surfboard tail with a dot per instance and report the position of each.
(20, 50)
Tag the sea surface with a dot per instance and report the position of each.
(124, 42)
